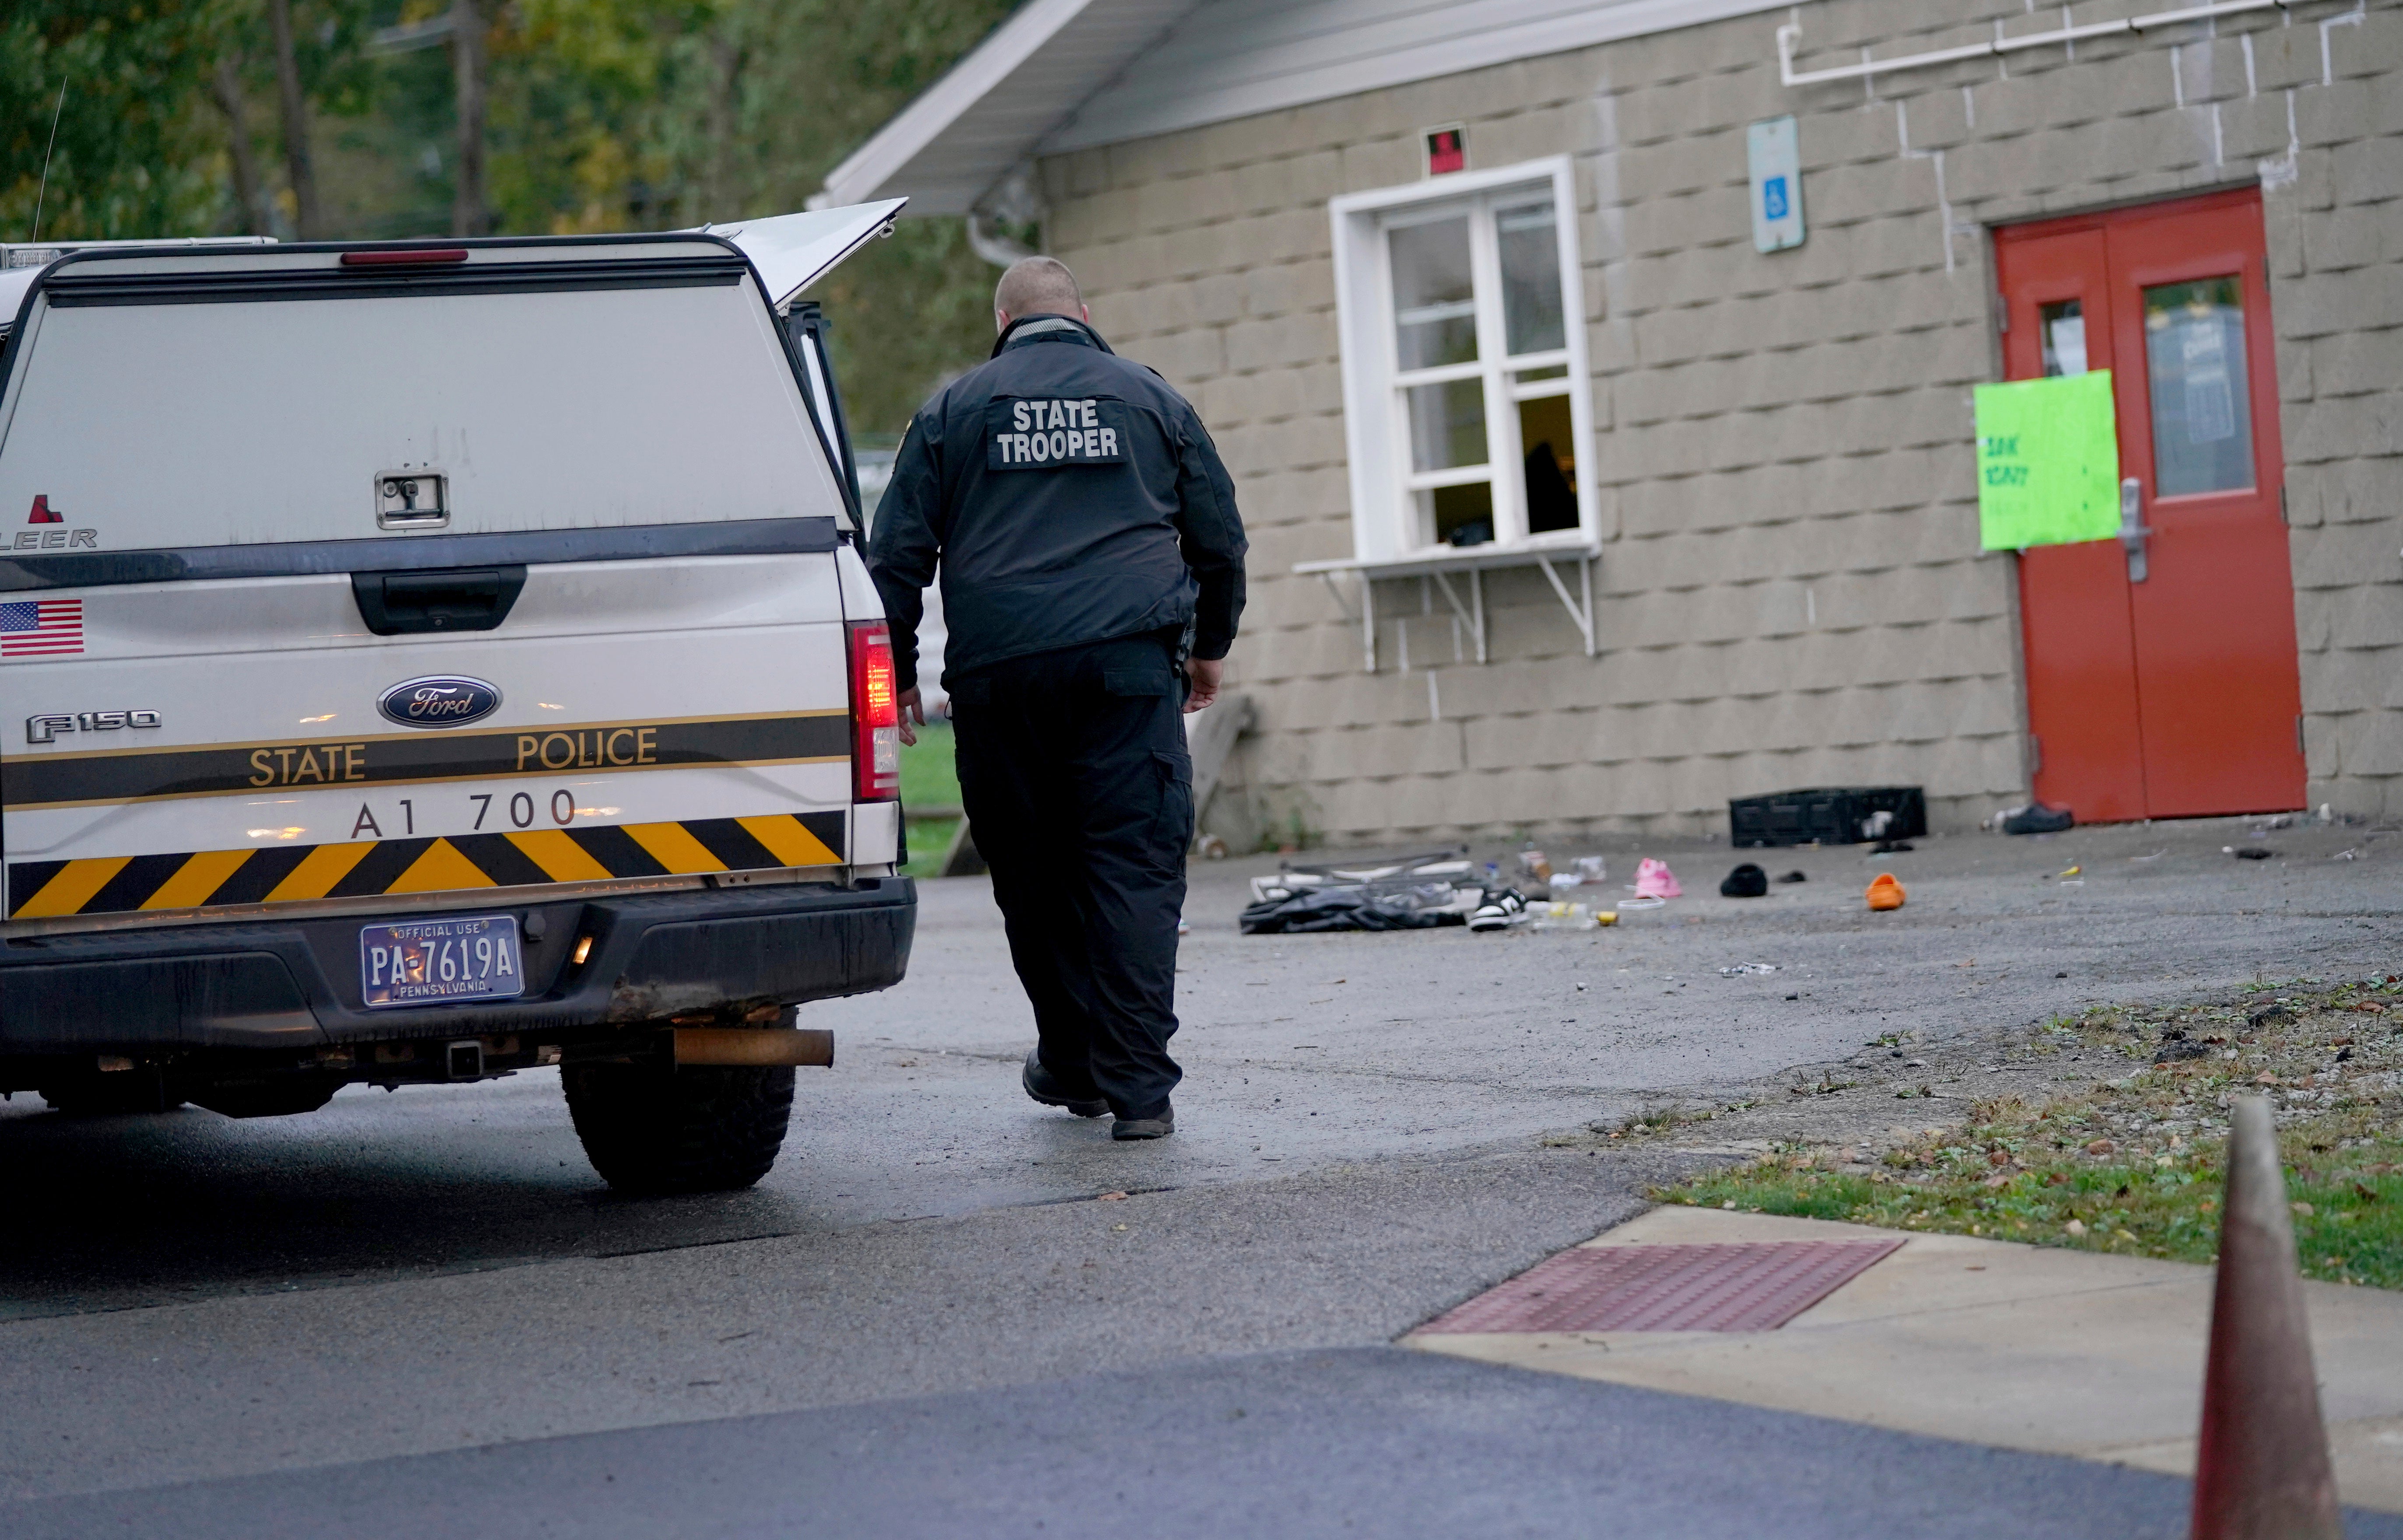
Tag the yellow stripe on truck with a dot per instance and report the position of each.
(198, 878)
(561, 858)
(790, 841)
(315, 877)
(461, 863)
(673, 849)
(440, 868)
(72, 889)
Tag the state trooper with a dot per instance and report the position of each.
(1091, 561)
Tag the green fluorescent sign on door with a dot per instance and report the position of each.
(2048, 461)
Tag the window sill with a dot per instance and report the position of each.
(1435, 558)
(1438, 563)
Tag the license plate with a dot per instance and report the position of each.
(441, 961)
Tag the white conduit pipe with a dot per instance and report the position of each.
(1791, 33)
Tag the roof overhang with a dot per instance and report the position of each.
(1068, 75)
(988, 111)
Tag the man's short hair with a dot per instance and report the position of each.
(1038, 285)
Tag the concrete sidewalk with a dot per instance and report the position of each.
(1990, 1342)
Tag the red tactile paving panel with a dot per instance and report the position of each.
(1754, 1286)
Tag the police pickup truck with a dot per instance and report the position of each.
(425, 661)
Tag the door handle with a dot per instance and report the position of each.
(2132, 530)
(396, 603)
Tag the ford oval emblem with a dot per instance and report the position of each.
(439, 701)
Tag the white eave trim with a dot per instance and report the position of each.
(868, 168)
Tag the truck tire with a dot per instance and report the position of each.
(649, 1128)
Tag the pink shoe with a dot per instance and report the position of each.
(1654, 879)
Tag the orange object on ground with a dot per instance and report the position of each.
(1885, 892)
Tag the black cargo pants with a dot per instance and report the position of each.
(1076, 781)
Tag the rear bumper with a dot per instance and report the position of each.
(295, 983)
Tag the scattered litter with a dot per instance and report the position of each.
(2249, 852)
(1740, 969)
(1560, 916)
(1892, 847)
(1795, 877)
(1500, 910)
(1746, 881)
(2032, 818)
(1885, 892)
(1534, 865)
(2072, 872)
(1417, 892)
(2352, 855)
(1589, 872)
(1642, 903)
(2076, 1226)
(1654, 879)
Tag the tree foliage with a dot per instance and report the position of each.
(602, 114)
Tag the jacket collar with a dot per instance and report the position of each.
(1049, 328)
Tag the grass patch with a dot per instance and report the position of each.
(930, 775)
(2135, 1164)
(929, 841)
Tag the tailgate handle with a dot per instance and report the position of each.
(397, 604)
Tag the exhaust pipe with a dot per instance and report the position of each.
(754, 1045)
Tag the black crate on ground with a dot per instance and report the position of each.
(1831, 815)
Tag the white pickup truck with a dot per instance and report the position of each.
(422, 662)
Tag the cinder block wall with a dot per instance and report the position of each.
(1790, 592)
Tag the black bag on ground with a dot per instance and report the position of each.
(1343, 908)
(1746, 882)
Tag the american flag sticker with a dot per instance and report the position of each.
(30, 628)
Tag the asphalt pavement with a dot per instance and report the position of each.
(403, 1276)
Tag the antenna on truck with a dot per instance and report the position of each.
(45, 191)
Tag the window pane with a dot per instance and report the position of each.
(1435, 296)
(1545, 429)
(1531, 278)
(2194, 352)
(1459, 516)
(1529, 376)
(2064, 330)
(1447, 425)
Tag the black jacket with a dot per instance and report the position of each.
(1069, 496)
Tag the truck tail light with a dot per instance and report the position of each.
(875, 714)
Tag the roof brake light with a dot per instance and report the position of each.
(407, 257)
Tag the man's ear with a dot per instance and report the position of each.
(1000, 321)
(1086, 312)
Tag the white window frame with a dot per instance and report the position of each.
(1386, 529)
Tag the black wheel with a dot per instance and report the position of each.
(696, 1128)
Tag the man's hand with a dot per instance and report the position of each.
(1204, 672)
(911, 711)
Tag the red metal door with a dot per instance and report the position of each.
(2161, 669)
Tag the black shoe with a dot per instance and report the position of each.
(1146, 1128)
(1042, 1085)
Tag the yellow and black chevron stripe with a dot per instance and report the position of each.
(115, 884)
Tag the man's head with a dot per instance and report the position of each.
(1036, 286)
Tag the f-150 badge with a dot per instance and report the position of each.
(46, 729)
(439, 701)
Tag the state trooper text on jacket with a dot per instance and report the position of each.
(1071, 496)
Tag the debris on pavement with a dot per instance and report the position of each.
(1795, 877)
(1741, 969)
(1746, 881)
(1415, 893)
(1885, 892)
(2249, 853)
(1654, 879)
(2033, 818)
